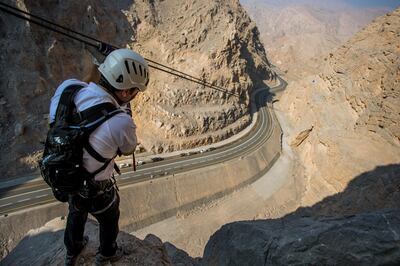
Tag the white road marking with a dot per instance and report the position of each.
(30, 192)
(194, 161)
(4, 205)
(211, 157)
(41, 196)
(23, 200)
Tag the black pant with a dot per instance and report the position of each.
(79, 208)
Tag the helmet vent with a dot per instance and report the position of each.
(127, 67)
(134, 67)
(140, 69)
(120, 79)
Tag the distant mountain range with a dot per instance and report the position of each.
(297, 34)
(327, 4)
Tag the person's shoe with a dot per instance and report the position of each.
(70, 260)
(103, 260)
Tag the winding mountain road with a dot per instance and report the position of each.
(36, 192)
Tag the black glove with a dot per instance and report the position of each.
(105, 48)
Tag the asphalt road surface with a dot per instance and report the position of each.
(38, 193)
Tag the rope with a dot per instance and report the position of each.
(45, 26)
(104, 46)
(47, 21)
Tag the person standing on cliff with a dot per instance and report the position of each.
(120, 78)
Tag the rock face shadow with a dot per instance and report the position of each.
(371, 191)
(359, 226)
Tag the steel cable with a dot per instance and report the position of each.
(69, 33)
(99, 42)
(48, 21)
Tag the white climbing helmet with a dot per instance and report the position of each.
(125, 69)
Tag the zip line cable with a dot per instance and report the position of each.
(47, 27)
(88, 37)
(103, 47)
(44, 20)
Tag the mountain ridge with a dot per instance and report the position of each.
(298, 35)
(214, 40)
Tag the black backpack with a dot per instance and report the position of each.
(61, 165)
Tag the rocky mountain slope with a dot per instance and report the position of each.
(297, 35)
(344, 127)
(213, 40)
(345, 120)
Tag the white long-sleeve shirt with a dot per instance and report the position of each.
(118, 132)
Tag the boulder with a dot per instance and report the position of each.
(362, 239)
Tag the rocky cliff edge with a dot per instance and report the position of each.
(45, 246)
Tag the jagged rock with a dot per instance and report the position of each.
(154, 240)
(192, 36)
(363, 239)
(159, 124)
(45, 246)
(180, 257)
(169, 127)
(357, 114)
(19, 129)
(301, 137)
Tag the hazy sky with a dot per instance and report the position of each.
(329, 3)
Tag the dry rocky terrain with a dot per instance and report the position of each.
(298, 34)
(343, 126)
(342, 161)
(345, 121)
(213, 40)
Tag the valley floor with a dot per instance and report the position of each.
(273, 195)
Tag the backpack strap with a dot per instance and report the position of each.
(93, 113)
(66, 105)
(90, 119)
(101, 168)
(98, 156)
